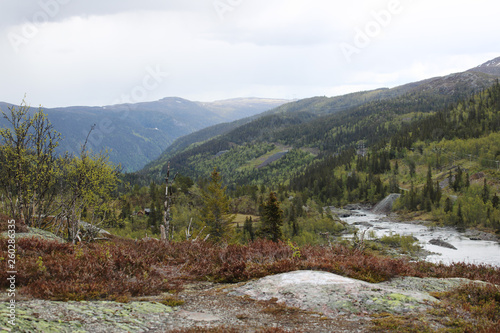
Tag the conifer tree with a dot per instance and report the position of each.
(292, 222)
(486, 192)
(457, 184)
(495, 201)
(271, 219)
(429, 187)
(448, 205)
(215, 209)
(437, 194)
(413, 200)
(248, 228)
(126, 210)
(152, 217)
(460, 218)
(412, 167)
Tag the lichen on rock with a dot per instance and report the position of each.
(332, 294)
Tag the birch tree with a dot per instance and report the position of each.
(28, 164)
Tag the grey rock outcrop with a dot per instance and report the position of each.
(333, 294)
(385, 206)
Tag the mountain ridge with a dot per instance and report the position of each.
(329, 123)
(133, 134)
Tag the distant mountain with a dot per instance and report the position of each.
(237, 108)
(137, 133)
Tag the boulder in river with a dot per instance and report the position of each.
(442, 243)
(385, 206)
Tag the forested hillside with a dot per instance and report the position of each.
(446, 164)
(313, 129)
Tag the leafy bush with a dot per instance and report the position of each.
(406, 243)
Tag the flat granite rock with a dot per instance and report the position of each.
(96, 317)
(333, 294)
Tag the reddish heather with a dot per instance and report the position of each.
(111, 270)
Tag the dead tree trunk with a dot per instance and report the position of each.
(168, 203)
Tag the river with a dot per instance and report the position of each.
(470, 251)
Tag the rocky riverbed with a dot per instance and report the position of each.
(443, 244)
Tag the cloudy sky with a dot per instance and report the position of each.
(94, 52)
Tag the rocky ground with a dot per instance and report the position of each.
(303, 301)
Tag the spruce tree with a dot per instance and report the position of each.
(495, 201)
(293, 222)
(486, 192)
(437, 194)
(215, 209)
(413, 200)
(429, 187)
(412, 167)
(448, 205)
(248, 228)
(457, 184)
(152, 217)
(460, 219)
(271, 219)
(126, 210)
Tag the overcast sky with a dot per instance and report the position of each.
(95, 52)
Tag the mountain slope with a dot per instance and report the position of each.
(445, 166)
(322, 126)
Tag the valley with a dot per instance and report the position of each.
(212, 198)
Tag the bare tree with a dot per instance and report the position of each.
(168, 202)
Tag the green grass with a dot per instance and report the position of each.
(252, 164)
